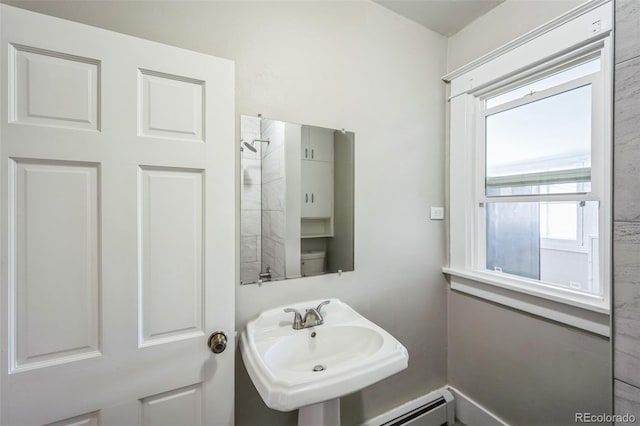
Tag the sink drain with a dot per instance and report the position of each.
(319, 368)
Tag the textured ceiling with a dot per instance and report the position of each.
(442, 16)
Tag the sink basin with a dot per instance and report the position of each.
(332, 347)
(296, 368)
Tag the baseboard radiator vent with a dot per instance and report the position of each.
(434, 409)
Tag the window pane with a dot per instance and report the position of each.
(540, 144)
(559, 221)
(513, 239)
(553, 80)
(518, 235)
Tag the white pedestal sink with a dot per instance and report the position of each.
(311, 368)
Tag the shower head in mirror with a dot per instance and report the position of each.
(250, 146)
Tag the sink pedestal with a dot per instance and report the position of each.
(322, 414)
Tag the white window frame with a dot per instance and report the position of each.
(598, 170)
(584, 32)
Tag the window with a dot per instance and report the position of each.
(530, 154)
(535, 142)
(538, 142)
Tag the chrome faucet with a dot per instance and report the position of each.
(312, 317)
(297, 318)
(265, 276)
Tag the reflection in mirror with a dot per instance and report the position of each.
(296, 201)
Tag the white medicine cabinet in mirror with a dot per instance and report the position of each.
(296, 186)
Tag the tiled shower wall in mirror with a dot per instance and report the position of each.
(626, 209)
(250, 201)
(273, 198)
(262, 198)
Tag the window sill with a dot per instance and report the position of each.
(592, 317)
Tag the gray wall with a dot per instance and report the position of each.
(626, 209)
(352, 65)
(526, 370)
(500, 25)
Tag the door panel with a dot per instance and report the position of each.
(90, 419)
(55, 291)
(171, 217)
(171, 106)
(117, 165)
(53, 89)
(181, 406)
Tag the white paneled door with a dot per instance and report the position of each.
(118, 228)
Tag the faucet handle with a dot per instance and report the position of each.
(326, 302)
(297, 318)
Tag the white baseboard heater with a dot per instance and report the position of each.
(434, 409)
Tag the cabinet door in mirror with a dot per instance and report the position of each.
(297, 185)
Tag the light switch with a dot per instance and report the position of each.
(437, 213)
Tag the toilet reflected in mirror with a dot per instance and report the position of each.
(312, 262)
(297, 184)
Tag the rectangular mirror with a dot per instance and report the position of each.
(297, 188)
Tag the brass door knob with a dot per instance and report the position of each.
(217, 342)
